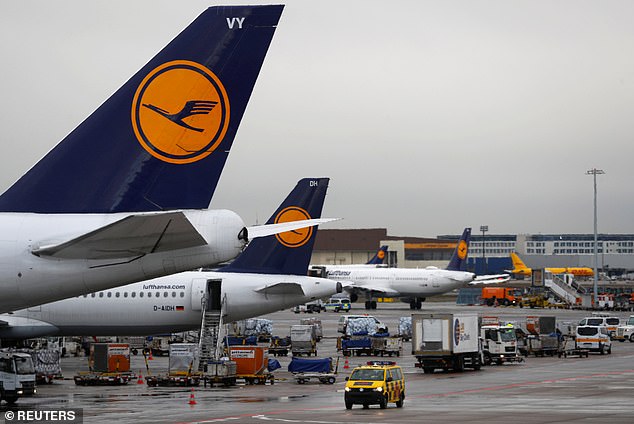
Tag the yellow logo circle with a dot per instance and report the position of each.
(462, 249)
(294, 238)
(380, 254)
(180, 112)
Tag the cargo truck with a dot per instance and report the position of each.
(499, 344)
(446, 341)
(17, 376)
(626, 331)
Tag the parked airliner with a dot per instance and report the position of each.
(268, 276)
(412, 285)
(520, 269)
(124, 196)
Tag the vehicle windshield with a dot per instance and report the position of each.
(24, 366)
(368, 374)
(507, 335)
(587, 331)
(595, 321)
(612, 321)
(630, 321)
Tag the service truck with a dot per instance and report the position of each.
(499, 344)
(446, 341)
(17, 376)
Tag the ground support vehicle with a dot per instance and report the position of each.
(88, 378)
(603, 319)
(504, 296)
(173, 380)
(46, 363)
(499, 344)
(568, 348)
(280, 346)
(303, 340)
(305, 370)
(17, 376)
(378, 382)
(183, 359)
(405, 328)
(541, 345)
(310, 307)
(387, 346)
(251, 364)
(594, 338)
(626, 331)
(220, 372)
(337, 304)
(316, 323)
(446, 341)
(355, 345)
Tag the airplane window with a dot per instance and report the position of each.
(117, 294)
(85, 295)
(92, 295)
(173, 294)
(165, 294)
(109, 294)
(140, 294)
(158, 294)
(125, 294)
(149, 294)
(133, 294)
(182, 294)
(101, 294)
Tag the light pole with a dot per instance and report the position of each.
(484, 229)
(594, 172)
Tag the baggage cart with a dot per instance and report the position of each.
(305, 370)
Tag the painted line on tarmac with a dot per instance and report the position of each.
(525, 384)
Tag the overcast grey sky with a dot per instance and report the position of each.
(428, 116)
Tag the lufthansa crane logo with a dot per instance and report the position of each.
(381, 254)
(294, 238)
(462, 249)
(180, 112)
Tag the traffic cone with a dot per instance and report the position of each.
(345, 364)
(150, 357)
(140, 380)
(192, 401)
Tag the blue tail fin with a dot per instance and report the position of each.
(290, 252)
(379, 257)
(458, 261)
(160, 142)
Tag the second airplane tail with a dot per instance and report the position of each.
(161, 141)
(379, 257)
(458, 261)
(289, 252)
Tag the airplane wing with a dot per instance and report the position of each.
(134, 235)
(385, 291)
(490, 279)
(282, 227)
(289, 288)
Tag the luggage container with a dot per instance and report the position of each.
(446, 341)
(303, 340)
(183, 359)
(109, 365)
(305, 369)
(251, 363)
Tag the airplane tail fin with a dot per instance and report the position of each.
(517, 262)
(289, 252)
(161, 141)
(379, 257)
(458, 261)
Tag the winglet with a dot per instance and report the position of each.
(128, 157)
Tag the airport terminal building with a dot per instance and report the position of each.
(342, 247)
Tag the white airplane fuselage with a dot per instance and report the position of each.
(401, 282)
(27, 279)
(162, 305)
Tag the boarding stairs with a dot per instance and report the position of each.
(210, 339)
(567, 292)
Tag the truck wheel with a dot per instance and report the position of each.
(610, 350)
(632, 338)
(383, 401)
(399, 402)
(601, 349)
(428, 370)
(331, 380)
(348, 404)
(487, 358)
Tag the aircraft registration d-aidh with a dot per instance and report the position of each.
(520, 268)
(411, 285)
(124, 196)
(268, 276)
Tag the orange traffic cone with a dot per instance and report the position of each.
(140, 380)
(192, 401)
(345, 364)
(150, 357)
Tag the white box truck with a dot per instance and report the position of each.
(446, 341)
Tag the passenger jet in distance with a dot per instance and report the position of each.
(124, 196)
(520, 268)
(268, 276)
(412, 285)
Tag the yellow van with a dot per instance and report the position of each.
(378, 382)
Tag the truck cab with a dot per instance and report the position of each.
(499, 344)
(17, 376)
(595, 338)
(378, 382)
(626, 331)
